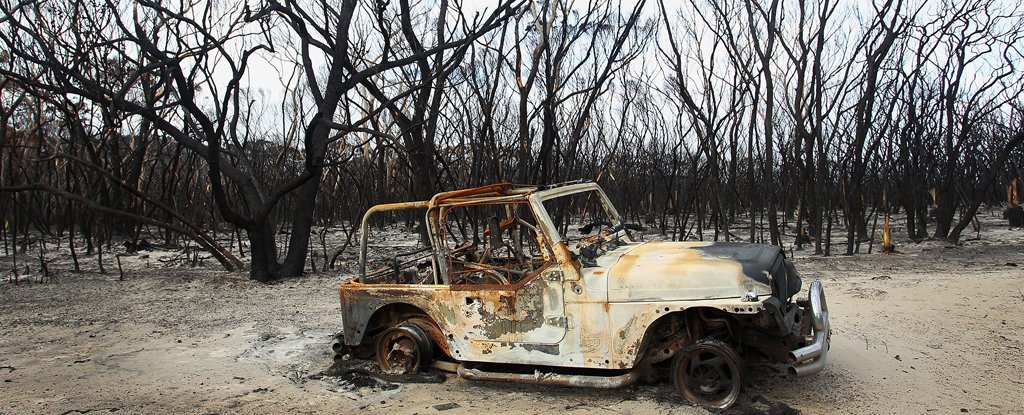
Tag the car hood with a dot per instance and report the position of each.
(658, 271)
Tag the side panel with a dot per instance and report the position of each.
(532, 314)
(525, 324)
(586, 305)
(360, 301)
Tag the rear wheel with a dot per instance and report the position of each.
(403, 349)
(708, 373)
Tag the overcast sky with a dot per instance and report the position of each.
(269, 78)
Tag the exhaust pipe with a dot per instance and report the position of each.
(819, 322)
(811, 359)
(553, 379)
(807, 369)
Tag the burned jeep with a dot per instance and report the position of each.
(509, 287)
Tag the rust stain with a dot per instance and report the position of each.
(507, 304)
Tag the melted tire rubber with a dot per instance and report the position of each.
(352, 369)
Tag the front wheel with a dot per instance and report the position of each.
(708, 373)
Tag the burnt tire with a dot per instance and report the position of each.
(708, 373)
(403, 349)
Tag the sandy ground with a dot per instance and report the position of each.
(936, 329)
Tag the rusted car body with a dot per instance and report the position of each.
(598, 310)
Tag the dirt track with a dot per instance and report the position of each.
(934, 330)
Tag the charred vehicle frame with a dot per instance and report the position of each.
(506, 291)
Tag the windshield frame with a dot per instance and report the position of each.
(544, 218)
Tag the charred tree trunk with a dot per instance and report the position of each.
(263, 264)
(986, 183)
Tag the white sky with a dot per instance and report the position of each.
(269, 78)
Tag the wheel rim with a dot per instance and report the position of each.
(708, 374)
(399, 351)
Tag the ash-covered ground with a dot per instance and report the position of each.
(934, 329)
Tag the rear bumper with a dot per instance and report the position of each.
(811, 359)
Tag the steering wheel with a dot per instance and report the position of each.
(586, 229)
(487, 276)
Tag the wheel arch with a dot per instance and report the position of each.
(685, 325)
